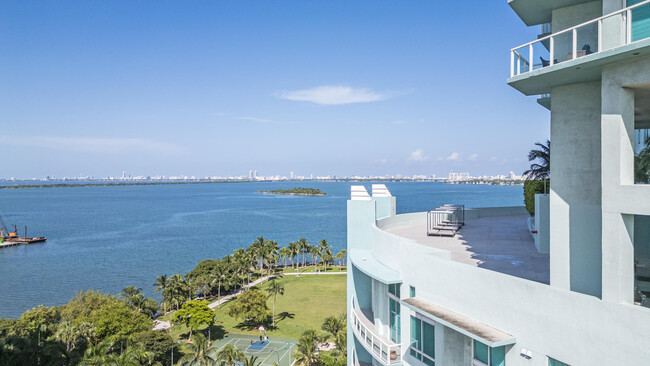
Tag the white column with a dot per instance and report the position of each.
(618, 169)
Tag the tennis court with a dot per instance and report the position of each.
(268, 353)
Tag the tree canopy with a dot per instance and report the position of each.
(250, 305)
(193, 314)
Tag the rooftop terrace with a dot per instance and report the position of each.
(502, 244)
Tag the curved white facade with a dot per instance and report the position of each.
(467, 301)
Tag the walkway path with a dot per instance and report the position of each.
(260, 280)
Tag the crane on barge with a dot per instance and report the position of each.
(12, 237)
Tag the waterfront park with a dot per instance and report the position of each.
(260, 306)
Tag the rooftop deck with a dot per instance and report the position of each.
(502, 244)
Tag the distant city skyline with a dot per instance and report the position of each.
(338, 87)
(253, 176)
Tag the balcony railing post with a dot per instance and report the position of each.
(518, 64)
(628, 19)
(600, 35)
(530, 57)
(575, 43)
(552, 47)
(512, 63)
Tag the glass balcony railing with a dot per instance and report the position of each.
(622, 27)
(385, 351)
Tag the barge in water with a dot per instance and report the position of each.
(12, 238)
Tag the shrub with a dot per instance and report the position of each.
(531, 188)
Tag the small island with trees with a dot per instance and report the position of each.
(297, 192)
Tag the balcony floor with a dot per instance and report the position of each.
(502, 244)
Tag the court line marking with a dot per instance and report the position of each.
(269, 353)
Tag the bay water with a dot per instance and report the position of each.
(107, 238)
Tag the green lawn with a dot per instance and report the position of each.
(307, 301)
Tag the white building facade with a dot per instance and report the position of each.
(487, 295)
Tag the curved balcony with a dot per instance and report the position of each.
(383, 349)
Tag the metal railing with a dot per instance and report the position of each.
(381, 348)
(563, 45)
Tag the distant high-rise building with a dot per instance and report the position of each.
(250, 175)
(255, 174)
(291, 175)
(123, 174)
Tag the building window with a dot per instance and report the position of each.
(488, 356)
(423, 341)
(554, 362)
(411, 291)
(393, 289)
(395, 332)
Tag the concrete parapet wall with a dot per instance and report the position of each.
(476, 213)
(544, 319)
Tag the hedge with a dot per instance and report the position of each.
(531, 188)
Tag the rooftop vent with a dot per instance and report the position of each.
(380, 190)
(359, 193)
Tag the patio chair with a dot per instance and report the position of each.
(547, 62)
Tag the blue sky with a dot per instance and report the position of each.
(224, 87)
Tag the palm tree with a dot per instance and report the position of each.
(178, 288)
(188, 286)
(314, 253)
(294, 250)
(269, 250)
(306, 348)
(274, 288)
(134, 355)
(229, 355)
(541, 170)
(251, 361)
(285, 254)
(198, 352)
(303, 248)
(219, 275)
(257, 251)
(96, 354)
(340, 256)
(161, 284)
(242, 264)
(333, 325)
(67, 334)
(325, 253)
(133, 297)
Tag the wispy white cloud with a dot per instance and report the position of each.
(473, 157)
(96, 144)
(331, 95)
(381, 161)
(254, 119)
(418, 155)
(399, 122)
(454, 157)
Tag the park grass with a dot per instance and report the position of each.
(307, 301)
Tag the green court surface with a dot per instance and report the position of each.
(274, 350)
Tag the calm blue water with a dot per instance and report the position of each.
(107, 238)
